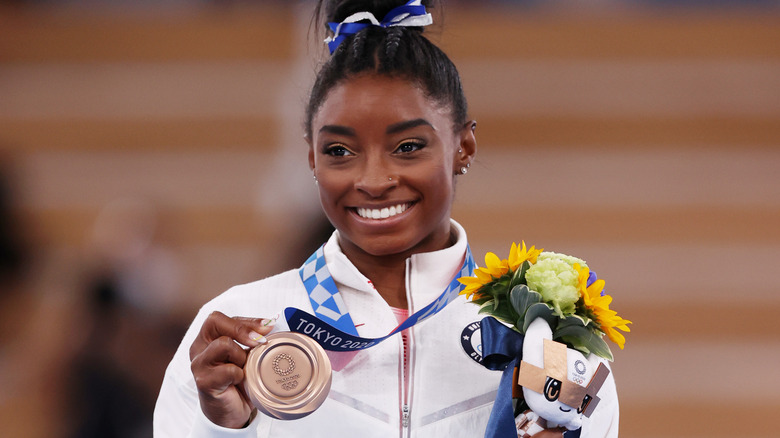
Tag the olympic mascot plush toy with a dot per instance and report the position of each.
(560, 384)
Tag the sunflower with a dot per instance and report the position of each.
(495, 268)
(518, 255)
(597, 303)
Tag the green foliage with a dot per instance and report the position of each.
(577, 335)
(510, 300)
(540, 310)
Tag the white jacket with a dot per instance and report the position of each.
(450, 394)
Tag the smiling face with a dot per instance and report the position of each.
(385, 157)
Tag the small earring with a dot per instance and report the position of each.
(460, 151)
(315, 178)
(463, 170)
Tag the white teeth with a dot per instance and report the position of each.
(384, 213)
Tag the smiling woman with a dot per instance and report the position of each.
(388, 136)
(385, 158)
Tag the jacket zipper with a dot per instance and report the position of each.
(406, 370)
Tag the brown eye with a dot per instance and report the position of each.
(409, 146)
(552, 389)
(337, 151)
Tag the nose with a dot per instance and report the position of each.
(375, 178)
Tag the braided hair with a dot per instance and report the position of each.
(397, 52)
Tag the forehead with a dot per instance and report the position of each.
(378, 101)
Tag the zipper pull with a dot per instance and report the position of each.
(405, 420)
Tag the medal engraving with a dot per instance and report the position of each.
(290, 362)
(288, 377)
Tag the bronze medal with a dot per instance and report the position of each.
(288, 377)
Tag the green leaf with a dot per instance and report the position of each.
(571, 321)
(481, 300)
(584, 340)
(502, 315)
(574, 343)
(486, 307)
(539, 310)
(518, 277)
(497, 291)
(522, 298)
(504, 311)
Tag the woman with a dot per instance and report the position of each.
(388, 137)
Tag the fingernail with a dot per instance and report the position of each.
(270, 321)
(257, 337)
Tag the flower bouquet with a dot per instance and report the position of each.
(559, 288)
(547, 302)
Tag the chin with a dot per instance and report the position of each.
(380, 247)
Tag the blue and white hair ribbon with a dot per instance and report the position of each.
(412, 13)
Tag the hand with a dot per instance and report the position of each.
(218, 366)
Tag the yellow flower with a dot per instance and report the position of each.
(495, 268)
(518, 255)
(598, 303)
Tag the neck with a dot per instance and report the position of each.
(388, 275)
(388, 272)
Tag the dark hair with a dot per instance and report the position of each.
(401, 52)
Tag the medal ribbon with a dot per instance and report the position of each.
(332, 327)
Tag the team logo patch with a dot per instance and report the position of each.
(471, 341)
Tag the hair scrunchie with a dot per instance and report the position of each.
(412, 13)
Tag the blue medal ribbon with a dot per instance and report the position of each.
(324, 295)
(332, 327)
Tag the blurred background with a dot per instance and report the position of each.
(151, 156)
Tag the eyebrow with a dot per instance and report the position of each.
(409, 124)
(338, 130)
(392, 129)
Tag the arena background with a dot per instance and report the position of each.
(152, 155)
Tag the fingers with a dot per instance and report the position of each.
(247, 331)
(218, 372)
(222, 350)
(219, 366)
(217, 359)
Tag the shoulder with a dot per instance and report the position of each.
(261, 298)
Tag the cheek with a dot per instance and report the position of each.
(330, 188)
(437, 178)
